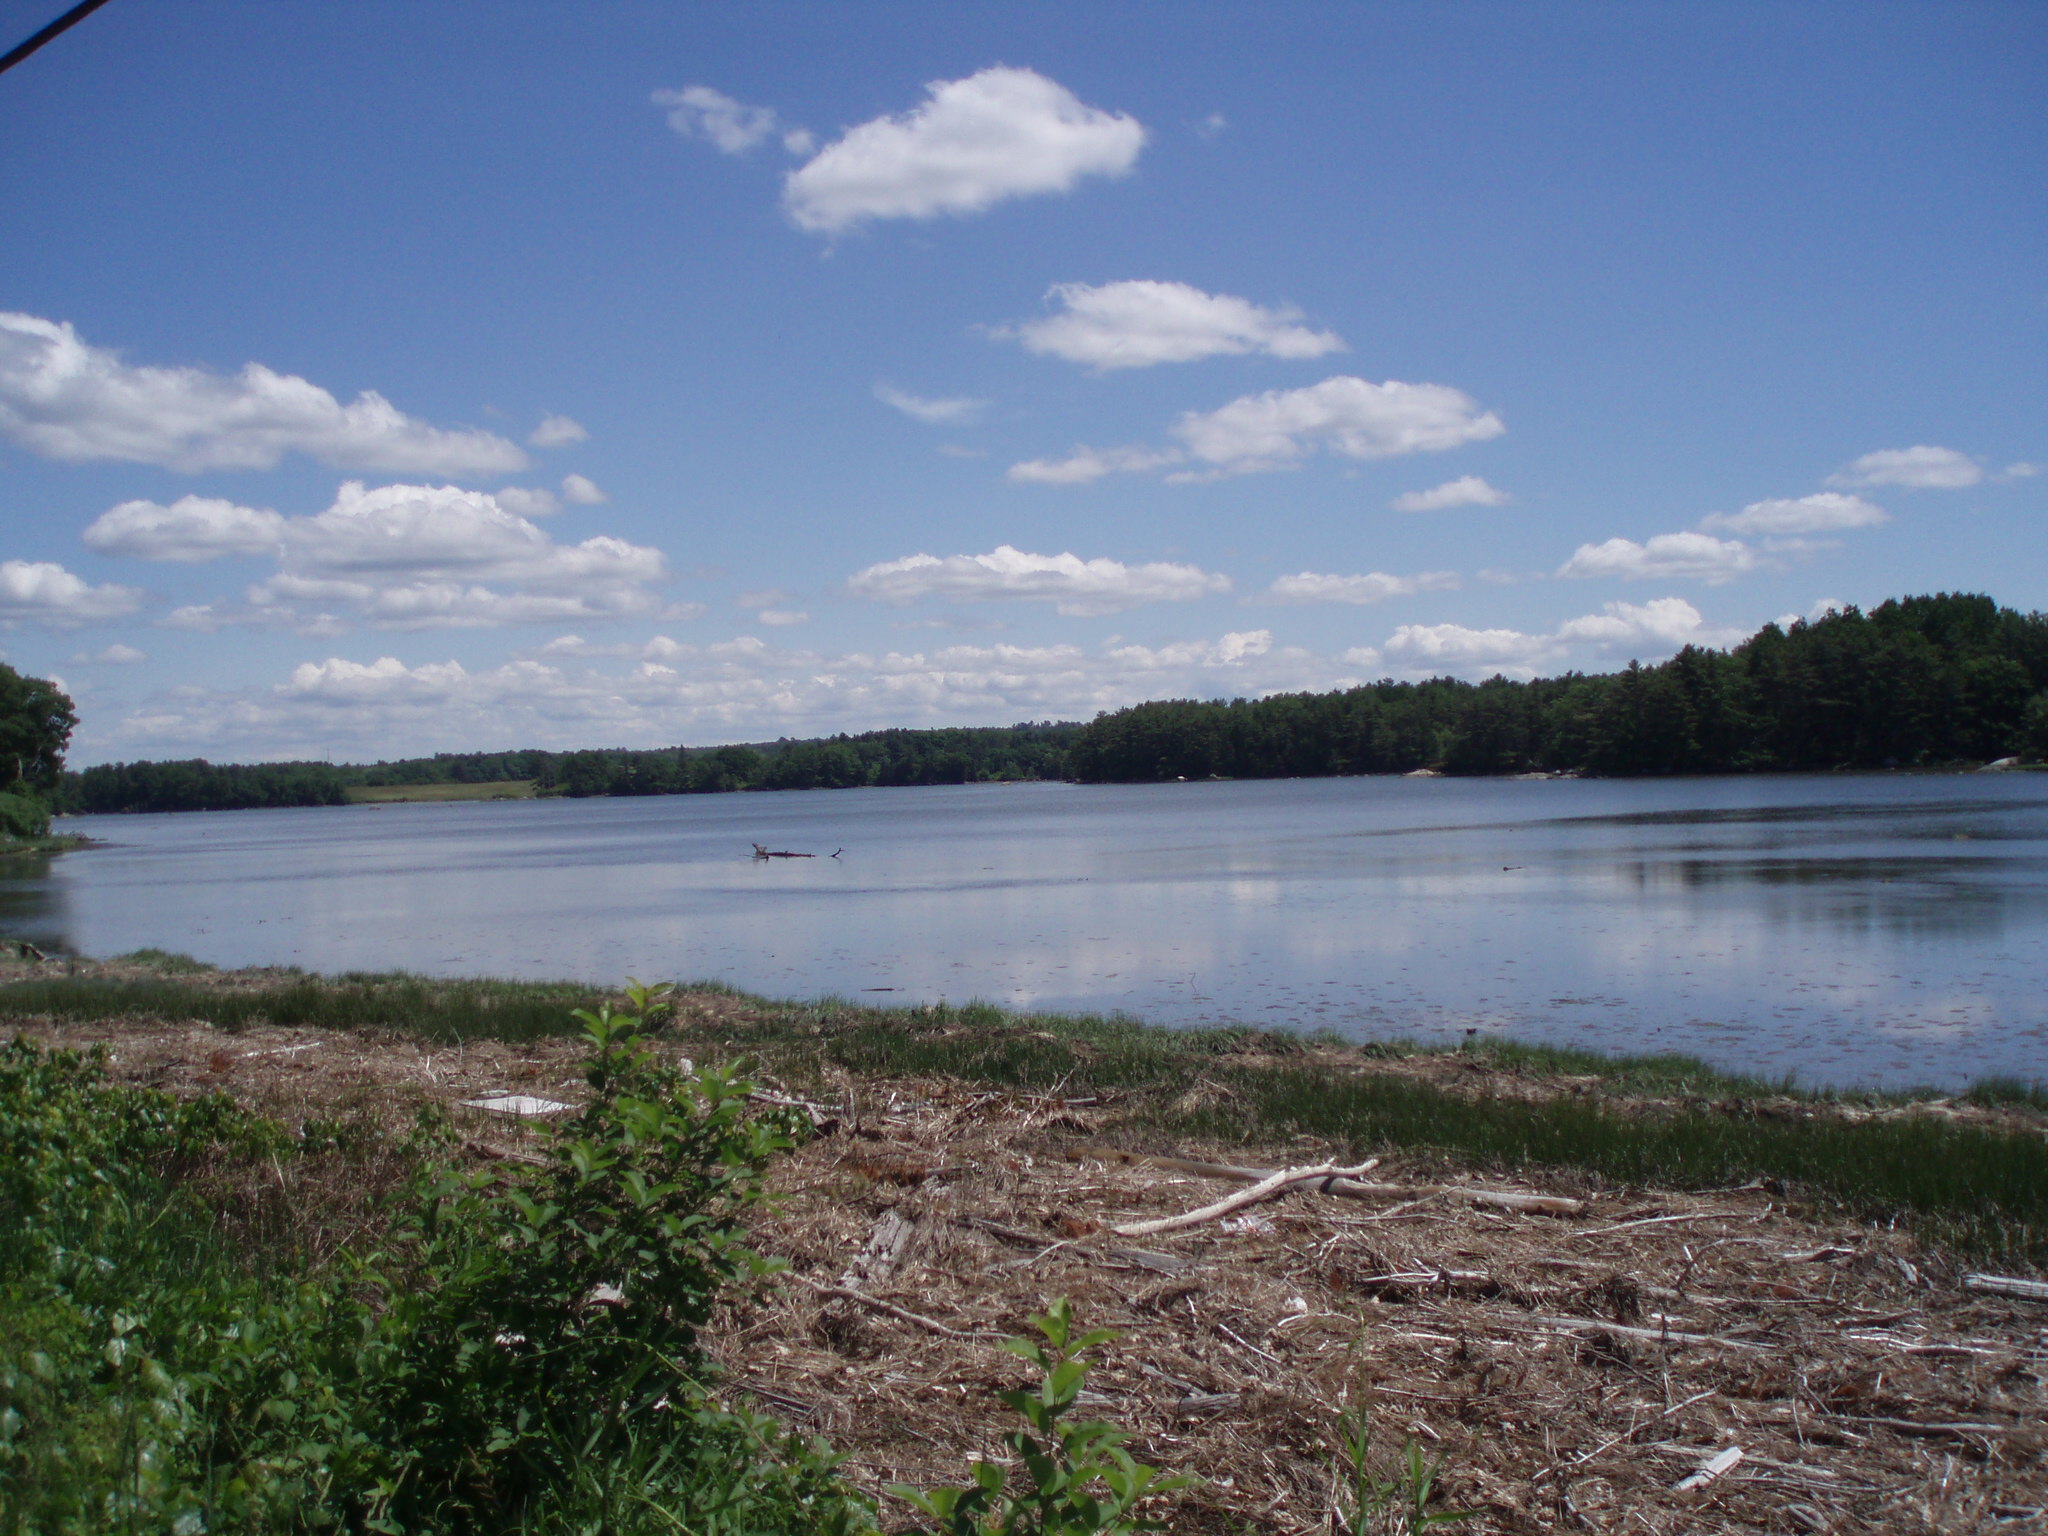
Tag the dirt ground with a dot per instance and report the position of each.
(1573, 1371)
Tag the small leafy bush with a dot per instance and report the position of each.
(1385, 1497)
(1078, 1479)
(515, 1350)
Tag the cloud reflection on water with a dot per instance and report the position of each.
(1776, 925)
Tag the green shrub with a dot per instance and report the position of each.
(516, 1351)
(23, 815)
(1078, 1478)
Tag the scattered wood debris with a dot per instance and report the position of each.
(1610, 1359)
(1582, 1357)
(2006, 1285)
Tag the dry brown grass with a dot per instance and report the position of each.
(1865, 1388)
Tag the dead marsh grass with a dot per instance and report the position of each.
(1571, 1370)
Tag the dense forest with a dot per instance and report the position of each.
(1915, 682)
(895, 757)
(36, 719)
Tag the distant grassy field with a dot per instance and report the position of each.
(401, 794)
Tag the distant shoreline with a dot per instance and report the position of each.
(526, 789)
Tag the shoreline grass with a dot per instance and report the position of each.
(1976, 1185)
(416, 794)
(54, 842)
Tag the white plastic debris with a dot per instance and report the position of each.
(1709, 1469)
(521, 1104)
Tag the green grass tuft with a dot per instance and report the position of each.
(169, 962)
(436, 1010)
(1666, 1121)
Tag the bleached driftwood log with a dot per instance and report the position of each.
(1272, 1184)
(1349, 1189)
(2007, 1285)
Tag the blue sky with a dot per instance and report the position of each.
(380, 379)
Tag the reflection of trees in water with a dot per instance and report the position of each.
(1934, 820)
(1890, 812)
(32, 905)
(1909, 898)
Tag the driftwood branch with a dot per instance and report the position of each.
(1119, 1258)
(886, 1245)
(1447, 1278)
(1930, 1431)
(1647, 1335)
(2007, 1285)
(1272, 1184)
(823, 1117)
(1349, 1189)
(847, 1293)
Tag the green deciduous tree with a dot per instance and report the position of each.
(36, 720)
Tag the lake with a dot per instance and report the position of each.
(1857, 929)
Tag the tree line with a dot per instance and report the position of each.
(1916, 681)
(885, 758)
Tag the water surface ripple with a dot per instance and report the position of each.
(1856, 929)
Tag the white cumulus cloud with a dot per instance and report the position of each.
(741, 689)
(1453, 647)
(1465, 491)
(1281, 427)
(68, 400)
(1648, 631)
(415, 556)
(400, 556)
(528, 501)
(660, 648)
(1373, 587)
(558, 432)
(1922, 467)
(1086, 464)
(933, 413)
(699, 112)
(192, 528)
(1662, 625)
(39, 592)
(1823, 512)
(582, 490)
(1667, 556)
(115, 655)
(572, 692)
(1348, 416)
(1075, 585)
(1140, 323)
(995, 135)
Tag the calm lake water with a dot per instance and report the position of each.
(1862, 929)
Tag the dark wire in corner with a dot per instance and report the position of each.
(57, 28)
